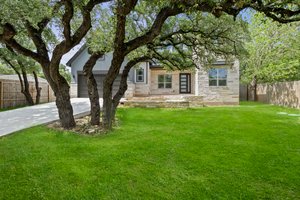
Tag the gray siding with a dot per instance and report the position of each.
(82, 87)
(102, 65)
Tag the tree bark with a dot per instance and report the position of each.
(64, 105)
(123, 84)
(116, 63)
(255, 92)
(254, 88)
(37, 88)
(92, 88)
(23, 82)
(107, 106)
(26, 90)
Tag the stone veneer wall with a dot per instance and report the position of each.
(213, 95)
(130, 90)
(154, 90)
(74, 90)
(141, 90)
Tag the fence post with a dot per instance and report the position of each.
(48, 93)
(1, 94)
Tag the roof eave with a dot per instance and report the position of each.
(76, 55)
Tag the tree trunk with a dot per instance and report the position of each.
(123, 84)
(37, 88)
(64, 106)
(122, 89)
(26, 90)
(23, 82)
(107, 106)
(92, 88)
(255, 88)
(107, 90)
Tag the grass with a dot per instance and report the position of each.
(11, 108)
(246, 152)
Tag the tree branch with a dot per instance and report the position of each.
(36, 36)
(16, 70)
(66, 20)
(154, 30)
(123, 83)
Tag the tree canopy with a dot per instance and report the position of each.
(273, 51)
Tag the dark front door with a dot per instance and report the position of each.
(185, 83)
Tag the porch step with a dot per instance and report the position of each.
(157, 104)
(165, 101)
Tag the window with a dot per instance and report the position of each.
(139, 75)
(218, 77)
(165, 81)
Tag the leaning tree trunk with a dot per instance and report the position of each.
(63, 103)
(37, 88)
(110, 77)
(92, 88)
(122, 89)
(23, 82)
(26, 90)
(123, 84)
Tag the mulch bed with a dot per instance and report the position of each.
(83, 126)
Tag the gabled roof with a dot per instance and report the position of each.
(76, 55)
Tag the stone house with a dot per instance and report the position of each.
(215, 86)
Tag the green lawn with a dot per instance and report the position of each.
(11, 108)
(246, 152)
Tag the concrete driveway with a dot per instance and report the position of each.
(18, 119)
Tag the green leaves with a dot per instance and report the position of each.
(274, 51)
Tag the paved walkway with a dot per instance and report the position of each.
(18, 119)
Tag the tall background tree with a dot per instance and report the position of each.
(273, 52)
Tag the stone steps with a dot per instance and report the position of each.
(165, 101)
(157, 104)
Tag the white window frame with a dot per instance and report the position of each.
(136, 75)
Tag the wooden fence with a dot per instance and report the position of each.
(11, 96)
(282, 93)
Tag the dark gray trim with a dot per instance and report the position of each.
(97, 72)
(137, 75)
(77, 54)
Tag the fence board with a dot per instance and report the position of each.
(1, 95)
(11, 96)
(282, 93)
